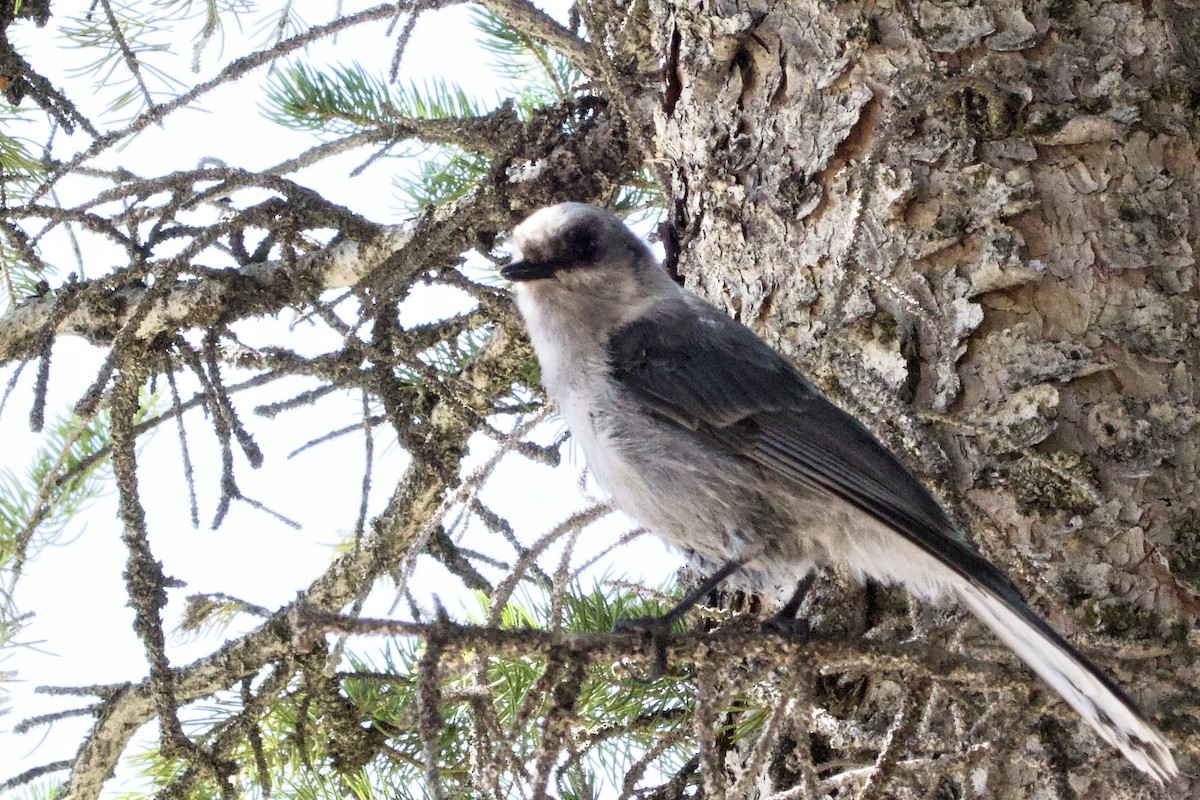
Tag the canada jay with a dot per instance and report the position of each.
(712, 440)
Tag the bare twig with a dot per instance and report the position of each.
(233, 70)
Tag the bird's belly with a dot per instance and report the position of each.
(695, 499)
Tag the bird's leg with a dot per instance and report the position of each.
(785, 622)
(659, 628)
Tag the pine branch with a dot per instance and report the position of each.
(594, 153)
(232, 71)
(387, 541)
(527, 18)
(393, 254)
(483, 134)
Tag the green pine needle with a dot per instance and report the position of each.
(539, 76)
(35, 508)
(446, 176)
(149, 40)
(347, 100)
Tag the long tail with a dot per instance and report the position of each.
(1097, 699)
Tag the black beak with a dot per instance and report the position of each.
(518, 271)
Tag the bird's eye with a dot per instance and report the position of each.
(582, 246)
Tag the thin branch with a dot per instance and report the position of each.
(638, 769)
(127, 54)
(235, 69)
(527, 18)
(376, 419)
(368, 466)
(33, 774)
(898, 735)
(189, 475)
(145, 582)
(733, 642)
(29, 723)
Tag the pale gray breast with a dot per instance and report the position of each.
(672, 483)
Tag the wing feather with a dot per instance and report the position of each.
(711, 375)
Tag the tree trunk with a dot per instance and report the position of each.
(972, 224)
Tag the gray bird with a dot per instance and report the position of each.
(712, 440)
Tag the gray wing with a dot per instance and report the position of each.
(703, 371)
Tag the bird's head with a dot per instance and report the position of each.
(582, 249)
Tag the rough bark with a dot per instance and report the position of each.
(973, 224)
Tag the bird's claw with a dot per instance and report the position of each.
(658, 631)
(794, 629)
(786, 623)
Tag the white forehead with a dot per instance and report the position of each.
(546, 222)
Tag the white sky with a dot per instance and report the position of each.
(82, 632)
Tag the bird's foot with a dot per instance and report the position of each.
(658, 631)
(794, 629)
(786, 623)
